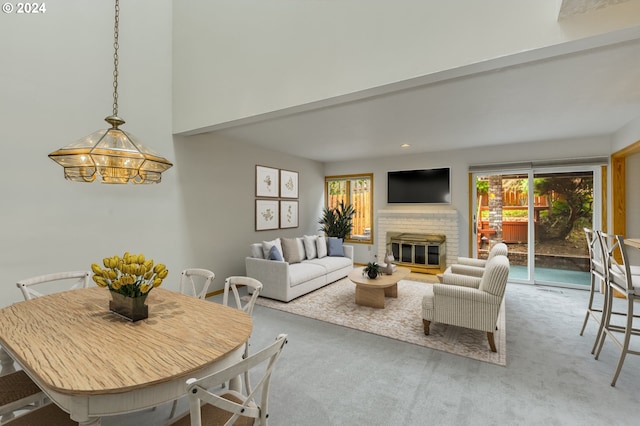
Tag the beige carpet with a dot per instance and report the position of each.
(401, 319)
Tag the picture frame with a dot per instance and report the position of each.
(267, 214)
(288, 214)
(288, 184)
(267, 182)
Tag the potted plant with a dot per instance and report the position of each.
(337, 222)
(372, 270)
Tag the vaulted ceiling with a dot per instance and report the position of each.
(586, 90)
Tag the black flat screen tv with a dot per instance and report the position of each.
(427, 186)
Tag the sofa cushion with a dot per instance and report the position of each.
(302, 272)
(266, 247)
(274, 254)
(330, 263)
(321, 245)
(310, 248)
(290, 250)
(334, 247)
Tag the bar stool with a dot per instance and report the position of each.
(597, 284)
(621, 281)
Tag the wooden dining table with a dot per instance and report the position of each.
(93, 363)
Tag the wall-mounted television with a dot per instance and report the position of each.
(427, 186)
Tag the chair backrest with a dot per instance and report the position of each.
(616, 262)
(232, 283)
(53, 283)
(496, 274)
(596, 254)
(500, 249)
(195, 282)
(247, 405)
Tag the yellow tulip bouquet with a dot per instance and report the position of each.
(130, 275)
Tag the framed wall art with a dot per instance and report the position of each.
(288, 184)
(266, 214)
(288, 214)
(267, 182)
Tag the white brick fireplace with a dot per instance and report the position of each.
(438, 221)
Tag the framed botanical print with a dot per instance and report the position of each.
(288, 214)
(266, 214)
(288, 184)
(267, 182)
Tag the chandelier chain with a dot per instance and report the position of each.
(115, 59)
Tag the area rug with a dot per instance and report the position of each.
(401, 319)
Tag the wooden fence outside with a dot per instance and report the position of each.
(361, 202)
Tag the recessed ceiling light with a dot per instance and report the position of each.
(405, 145)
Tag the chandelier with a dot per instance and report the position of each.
(113, 154)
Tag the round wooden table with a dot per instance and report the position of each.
(92, 363)
(371, 292)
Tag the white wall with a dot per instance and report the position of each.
(56, 85)
(240, 58)
(459, 162)
(217, 200)
(629, 135)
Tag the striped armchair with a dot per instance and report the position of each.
(475, 267)
(469, 302)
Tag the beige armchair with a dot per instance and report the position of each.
(467, 301)
(475, 267)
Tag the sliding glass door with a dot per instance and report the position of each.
(540, 214)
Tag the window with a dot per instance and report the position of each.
(356, 190)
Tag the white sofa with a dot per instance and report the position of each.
(307, 263)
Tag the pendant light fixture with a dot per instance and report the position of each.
(113, 154)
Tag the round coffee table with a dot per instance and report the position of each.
(371, 292)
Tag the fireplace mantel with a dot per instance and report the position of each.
(421, 221)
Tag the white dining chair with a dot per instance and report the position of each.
(193, 282)
(49, 414)
(196, 281)
(52, 283)
(231, 285)
(251, 406)
(17, 393)
(17, 390)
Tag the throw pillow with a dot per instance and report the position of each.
(274, 254)
(290, 249)
(266, 247)
(310, 246)
(303, 254)
(321, 245)
(335, 247)
(256, 251)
